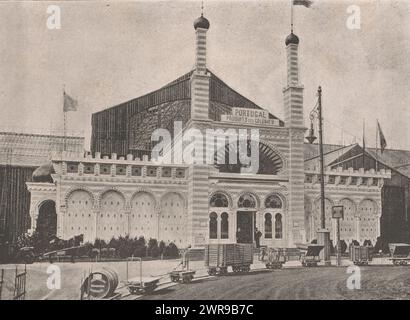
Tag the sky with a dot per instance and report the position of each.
(108, 52)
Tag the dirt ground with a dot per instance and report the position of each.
(321, 283)
(377, 282)
(73, 273)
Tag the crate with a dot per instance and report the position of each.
(292, 254)
(399, 250)
(360, 254)
(231, 254)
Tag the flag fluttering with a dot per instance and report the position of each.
(306, 3)
(382, 139)
(70, 104)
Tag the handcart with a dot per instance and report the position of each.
(361, 255)
(218, 257)
(275, 258)
(399, 253)
(141, 284)
(309, 256)
(183, 274)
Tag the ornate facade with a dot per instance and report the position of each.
(195, 203)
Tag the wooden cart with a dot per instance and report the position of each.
(141, 284)
(399, 253)
(309, 257)
(361, 255)
(183, 274)
(218, 257)
(275, 258)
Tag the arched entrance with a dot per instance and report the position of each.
(47, 220)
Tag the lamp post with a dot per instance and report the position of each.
(323, 233)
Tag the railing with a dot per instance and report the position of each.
(1, 281)
(20, 284)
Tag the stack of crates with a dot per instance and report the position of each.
(230, 254)
(360, 255)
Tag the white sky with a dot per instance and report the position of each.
(108, 52)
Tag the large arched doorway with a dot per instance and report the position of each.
(172, 219)
(269, 161)
(47, 220)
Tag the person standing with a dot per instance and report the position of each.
(258, 235)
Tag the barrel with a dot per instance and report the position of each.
(101, 284)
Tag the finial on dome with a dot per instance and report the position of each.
(292, 39)
(202, 23)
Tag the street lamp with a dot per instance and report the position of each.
(323, 233)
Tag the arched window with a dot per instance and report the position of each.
(273, 201)
(247, 201)
(268, 226)
(278, 226)
(219, 200)
(224, 226)
(213, 226)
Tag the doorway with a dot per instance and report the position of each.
(47, 220)
(245, 226)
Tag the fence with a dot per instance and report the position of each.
(20, 284)
(1, 281)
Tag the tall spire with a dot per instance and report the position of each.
(202, 8)
(200, 76)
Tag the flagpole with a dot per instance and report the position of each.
(377, 155)
(65, 119)
(291, 16)
(364, 142)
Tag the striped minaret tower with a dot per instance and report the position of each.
(293, 104)
(200, 76)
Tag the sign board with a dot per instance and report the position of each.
(250, 116)
(337, 212)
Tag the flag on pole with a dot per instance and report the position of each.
(70, 104)
(306, 3)
(382, 139)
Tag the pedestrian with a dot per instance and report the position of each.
(258, 235)
(239, 235)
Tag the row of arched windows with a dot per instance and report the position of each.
(219, 200)
(273, 226)
(278, 226)
(213, 225)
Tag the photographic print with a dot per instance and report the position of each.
(205, 151)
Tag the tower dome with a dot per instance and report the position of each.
(43, 173)
(201, 22)
(292, 38)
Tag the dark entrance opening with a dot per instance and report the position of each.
(245, 226)
(47, 220)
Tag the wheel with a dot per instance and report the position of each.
(149, 288)
(395, 262)
(223, 270)
(188, 278)
(212, 271)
